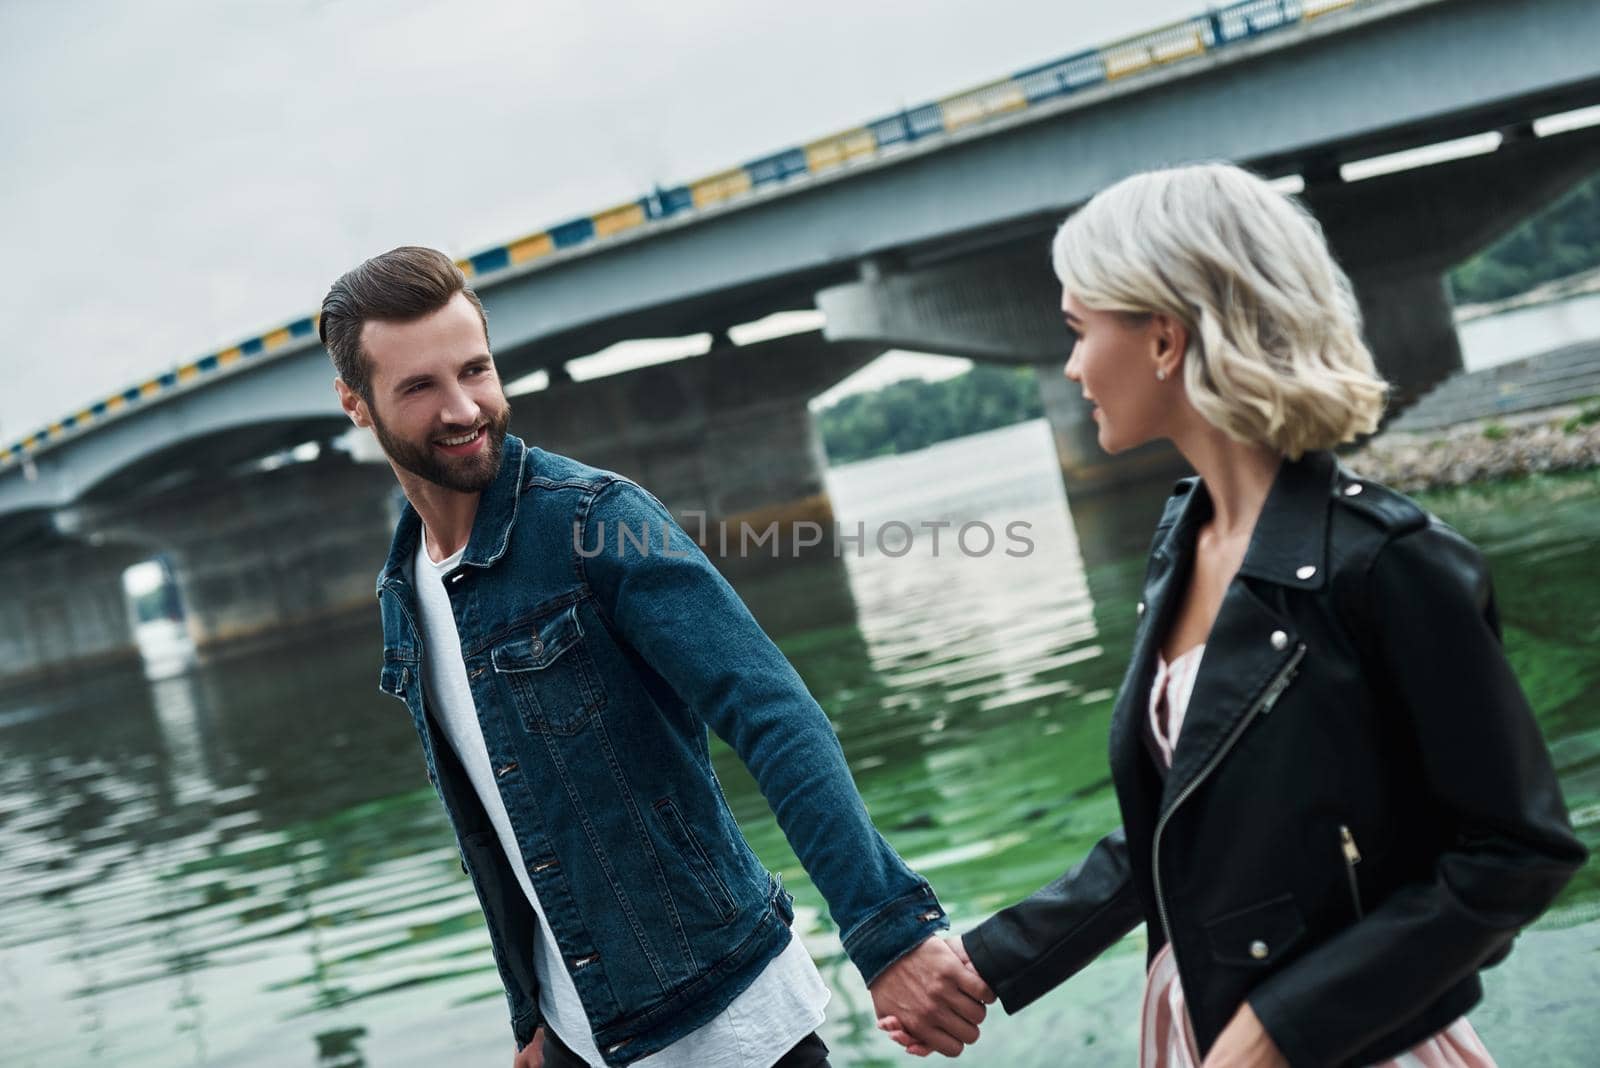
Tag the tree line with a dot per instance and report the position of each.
(1563, 239)
(912, 414)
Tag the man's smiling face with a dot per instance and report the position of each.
(436, 404)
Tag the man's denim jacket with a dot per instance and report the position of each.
(595, 673)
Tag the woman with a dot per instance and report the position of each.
(1336, 804)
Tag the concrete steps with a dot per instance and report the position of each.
(1563, 376)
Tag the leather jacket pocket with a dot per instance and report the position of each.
(551, 674)
(694, 858)
(1258, 936)
(1351, 852)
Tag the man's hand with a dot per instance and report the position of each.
(1244, 1043)
(531, 1055)
(932, 999)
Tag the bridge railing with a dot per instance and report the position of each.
(1161, 47)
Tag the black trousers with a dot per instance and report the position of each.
(809, 1052)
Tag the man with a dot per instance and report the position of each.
(561, 677)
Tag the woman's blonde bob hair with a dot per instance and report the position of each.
(1275, 353)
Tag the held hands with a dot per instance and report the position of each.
(932, 999)
(1244, 1043)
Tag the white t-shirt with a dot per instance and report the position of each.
(763, 1023)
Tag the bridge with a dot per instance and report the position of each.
(924, 230)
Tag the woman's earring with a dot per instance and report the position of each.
(1161, 374)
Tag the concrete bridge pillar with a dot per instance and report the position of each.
(63, 610)
(1409, 322)
(726, 436)
(267, 551)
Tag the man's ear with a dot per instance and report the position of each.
(353, 405)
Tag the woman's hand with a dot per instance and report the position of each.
(1244, 1043)
(532, 1055)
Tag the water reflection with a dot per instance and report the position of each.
(177, 714)
(244, 864)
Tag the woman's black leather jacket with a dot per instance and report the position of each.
(1361, 811)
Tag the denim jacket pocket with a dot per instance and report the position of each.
(551, 674)
(694, 857)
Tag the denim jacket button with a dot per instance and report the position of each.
(1280, 640)
(537, 648)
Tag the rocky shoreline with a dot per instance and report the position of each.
(1555, 439)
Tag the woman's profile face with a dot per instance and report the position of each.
(1114, 361)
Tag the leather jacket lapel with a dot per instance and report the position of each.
(1252, 649)
(1252, 646)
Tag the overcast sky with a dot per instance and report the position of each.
(180, 174)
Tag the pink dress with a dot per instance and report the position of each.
(1166, 1039)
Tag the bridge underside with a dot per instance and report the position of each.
(725, 440)
(256, 552)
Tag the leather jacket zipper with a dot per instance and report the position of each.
(1352, 857)
(1268, 698)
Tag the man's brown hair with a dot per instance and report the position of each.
(401, 285)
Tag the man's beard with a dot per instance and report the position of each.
(464, 474)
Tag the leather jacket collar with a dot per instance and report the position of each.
(1291, 533)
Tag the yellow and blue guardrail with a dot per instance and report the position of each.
(1217, 28)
